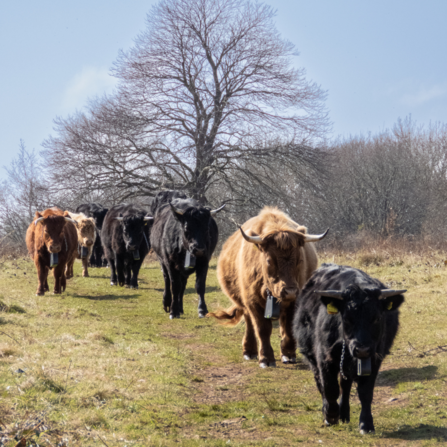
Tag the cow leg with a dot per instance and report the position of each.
(113, 277)
(127, 274)
(365, 391)
(85, 267)
(69, 269)
(135, 271)
(288, 345)
(249, 344)
(345, 412)
(178, 289)
(184, 281)
(331, 391)
(119, 262)
(42, 274)
(201, 273)
(167, 296)
(58, 272)
(263, 330)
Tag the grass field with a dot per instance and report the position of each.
(104, 366)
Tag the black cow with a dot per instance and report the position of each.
(346, 322)
(183, 228)
(125, 239)
(98, 212)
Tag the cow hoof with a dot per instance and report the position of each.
(40, 293)
(287, 360)
(201, 315)
(365, 432)
(267, 365)
(250, 357)
(121, 284)
(172, 316)
(112, 283)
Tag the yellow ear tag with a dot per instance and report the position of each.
(390, 306)
(331, 309)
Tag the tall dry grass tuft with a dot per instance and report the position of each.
(368, 249)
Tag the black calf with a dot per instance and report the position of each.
(346, 322)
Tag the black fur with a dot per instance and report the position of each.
(369, 329)
(121, 238)
(172, 236)
(98, 212)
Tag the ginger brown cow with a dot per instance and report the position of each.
(52, 231)
(86, 230)
(270, 253)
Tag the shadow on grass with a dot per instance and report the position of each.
(399, 375)
(421, 432)
(106, 297)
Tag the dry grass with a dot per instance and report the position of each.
(105, 366)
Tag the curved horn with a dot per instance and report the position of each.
(315, 237)
(330, 293)
(386, 293)
(214, 212)
(38, 220)
(252, 239)
(176, 210)
(148, 218)
(119, 218)
(70, 220)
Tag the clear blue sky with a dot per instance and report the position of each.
(379, 60)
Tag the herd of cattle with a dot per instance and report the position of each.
(343, 321)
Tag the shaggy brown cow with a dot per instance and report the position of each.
(271, 254)
(52, 231)
(86, 229)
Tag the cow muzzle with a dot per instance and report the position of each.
(198, 251)
(362, 352)
(289, 293)
(54, 248)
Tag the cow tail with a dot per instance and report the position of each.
(233, 315)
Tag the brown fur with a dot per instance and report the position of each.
(282, 263)
(86, 230)
(53, 234)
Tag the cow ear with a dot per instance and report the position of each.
(391, 303)
(334, 304)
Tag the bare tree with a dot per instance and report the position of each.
(207, 86)
(21, 194)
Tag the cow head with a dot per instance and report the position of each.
(86, 231)
(362, 310)
(281, 259)
(133, 227)
(52, 230)
(195, 224)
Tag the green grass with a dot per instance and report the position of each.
(103, 365)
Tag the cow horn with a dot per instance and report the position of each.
(214, 212)
(38, 220)
(386, 293)
(330, 293)
(315, 237)
(119, 218)
(148, 218)
(252, 239)
(176, 210)
(70, 220)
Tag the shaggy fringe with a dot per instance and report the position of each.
(232, 315)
